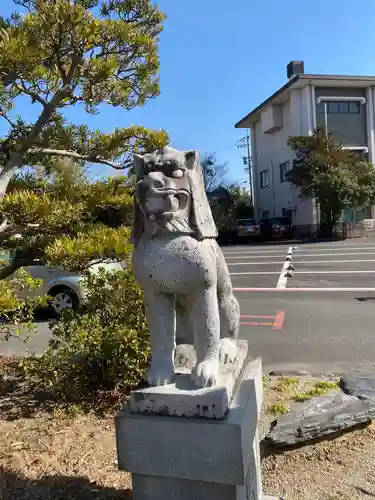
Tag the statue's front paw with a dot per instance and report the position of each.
(160, 372)
(228, 351)
(206, 373)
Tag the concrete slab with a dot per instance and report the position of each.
(183, 399)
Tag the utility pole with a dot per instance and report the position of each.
(244, 142)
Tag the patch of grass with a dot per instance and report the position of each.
(286, 384)
(266, 380)
(302, 397)
(325, 384)
(279, 408)
(320, 389)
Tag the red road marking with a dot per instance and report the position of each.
(254, 317)
(278, 323)
(255, 323)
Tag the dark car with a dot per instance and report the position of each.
(275, 227)
(246, 229)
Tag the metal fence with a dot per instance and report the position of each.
(359, 229)
(343, 230)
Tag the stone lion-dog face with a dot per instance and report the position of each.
(178, 263)
(170, 195)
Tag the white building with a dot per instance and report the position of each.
(345, 104)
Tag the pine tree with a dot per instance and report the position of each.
(63, 53)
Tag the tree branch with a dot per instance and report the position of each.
(76, 156)
(2, 114)
(30, 93)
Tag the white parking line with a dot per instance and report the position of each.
(300, 249)
(255, 272)
(356, 290)
(307, 272)
(275, 262)
(311, 246)
(339, 249)
(250, 257)
(335, 272)
(302, 255)
(268, 263)
(256, 252)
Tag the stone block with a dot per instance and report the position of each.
(183, 399)
(178, 458)
(362, 387)
(319, 418)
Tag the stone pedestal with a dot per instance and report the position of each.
(186, 458)
(183, 399)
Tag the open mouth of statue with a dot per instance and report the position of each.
(167, 202)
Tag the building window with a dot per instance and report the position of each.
(264, 178)
(284, 169)
(341, 107)
(265, 213)
(287, 212)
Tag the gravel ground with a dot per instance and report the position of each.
(342, 469)
(61, 458)
(338, 469)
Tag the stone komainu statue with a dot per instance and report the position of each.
(179, 265)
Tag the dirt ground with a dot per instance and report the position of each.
(52, 457)
(62, 454)
(338, 469)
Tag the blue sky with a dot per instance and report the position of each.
(220, 60)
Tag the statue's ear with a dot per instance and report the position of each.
(200, 217)
(138, 164)
(190, 157)
(138, 222)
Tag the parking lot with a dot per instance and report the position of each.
(253, 266)
(346, 264)
(320, 319)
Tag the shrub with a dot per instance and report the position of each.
(17, 305)
(103, 346)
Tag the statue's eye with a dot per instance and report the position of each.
(178, 173)
(150, 165)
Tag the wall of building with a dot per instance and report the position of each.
(270, 150)
(300, 116)
(350, 129)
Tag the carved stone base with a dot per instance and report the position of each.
(183, 399)
(194, 458)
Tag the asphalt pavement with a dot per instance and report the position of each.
(319, 317)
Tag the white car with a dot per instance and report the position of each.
(63, 286)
